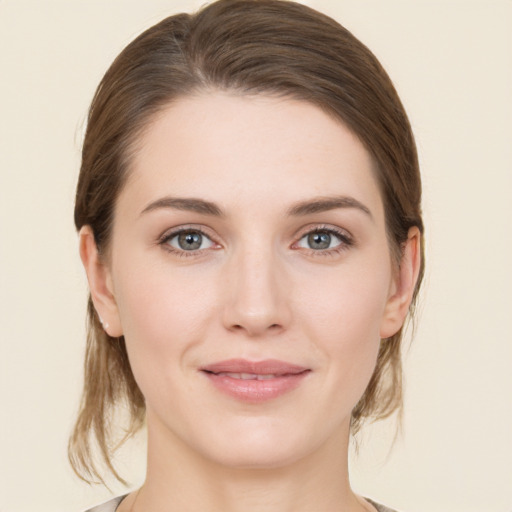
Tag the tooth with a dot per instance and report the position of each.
(239, 376)
(248, 376)
(232, 375)
(266, 377)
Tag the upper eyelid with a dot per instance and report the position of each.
(323, 227)
(172, 232)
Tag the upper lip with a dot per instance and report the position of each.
(266, 367)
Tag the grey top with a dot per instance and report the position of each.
(111, 506)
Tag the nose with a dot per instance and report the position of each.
(257, 295)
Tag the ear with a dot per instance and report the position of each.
(404, 283)
(100, 283)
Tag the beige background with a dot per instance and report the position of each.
(451, 61)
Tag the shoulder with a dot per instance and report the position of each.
(380, 508)
(109, 506)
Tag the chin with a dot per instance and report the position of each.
(258, 456)
(259, 444)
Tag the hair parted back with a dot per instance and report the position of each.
(272, 47)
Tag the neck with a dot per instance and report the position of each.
(180, 479)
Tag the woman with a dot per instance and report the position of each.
(250, 224)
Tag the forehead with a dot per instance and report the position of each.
(228, 148)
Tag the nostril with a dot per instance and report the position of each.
(255, 331)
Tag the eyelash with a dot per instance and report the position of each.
(346, 241)
(169, 235)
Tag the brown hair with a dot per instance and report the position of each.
(271, 47)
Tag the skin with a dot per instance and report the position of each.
(255, 289)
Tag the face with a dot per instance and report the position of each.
(251, 276)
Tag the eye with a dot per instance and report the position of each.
(188, 240)
(324, 240)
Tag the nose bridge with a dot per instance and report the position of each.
(257, 303)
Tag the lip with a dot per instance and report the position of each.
(255, 381)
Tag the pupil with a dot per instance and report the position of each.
(190, 241)
(319, 240)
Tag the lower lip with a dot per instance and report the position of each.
(256, 391)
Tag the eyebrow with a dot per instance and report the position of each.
(187, 204)
(302, 208)
(324, 204)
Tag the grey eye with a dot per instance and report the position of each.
(320, 240)
(190, 241)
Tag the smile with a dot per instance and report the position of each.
(254, 382)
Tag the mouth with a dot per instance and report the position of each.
(254, 381)
(248, 376)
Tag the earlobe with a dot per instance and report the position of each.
(100, 283)
(405, 281)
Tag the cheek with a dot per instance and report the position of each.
(343, 318)
(153, 297)
(348, 304)
(163, 317)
